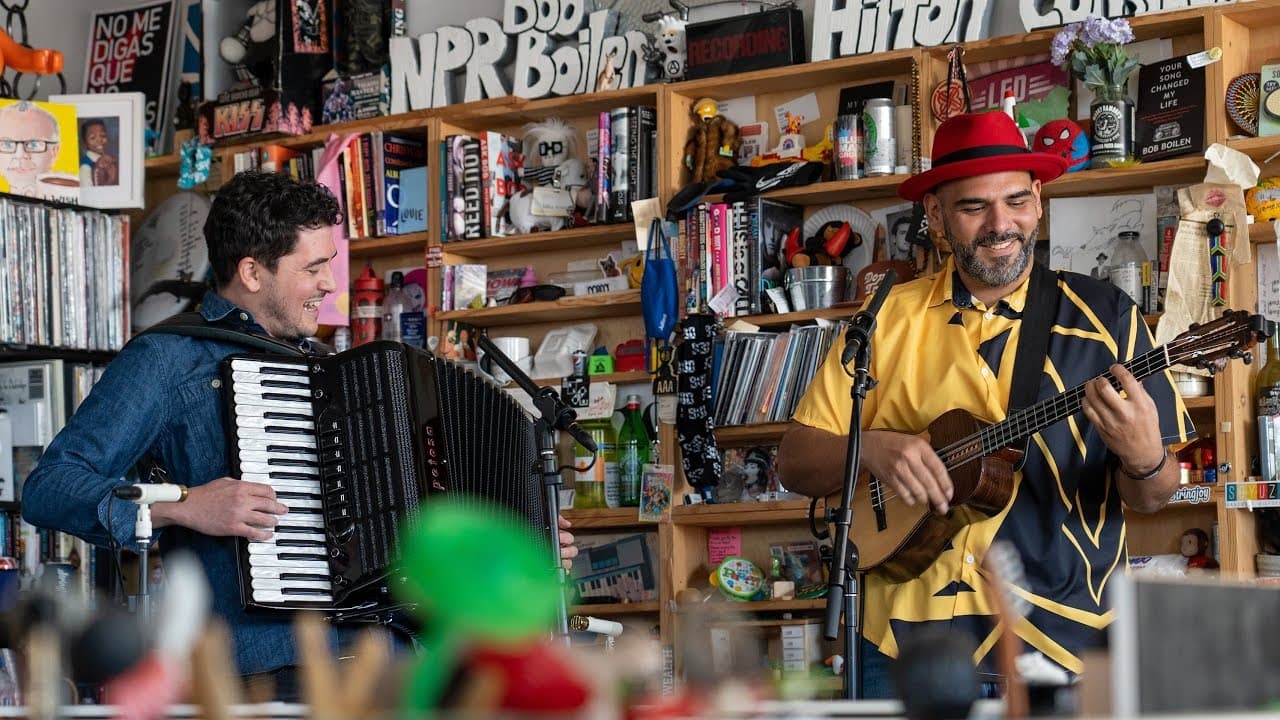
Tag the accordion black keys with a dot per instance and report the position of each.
(356, 444)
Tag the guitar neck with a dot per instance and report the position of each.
(1031, 420)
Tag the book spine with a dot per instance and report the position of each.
(740, 256)
(647, 153)
(377, 181)
(472, 189)
(620, 143)
(755, 259)
(488, 146)
(447, 190)
(603, 167)
(397, 154)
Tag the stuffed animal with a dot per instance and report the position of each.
(251, 49)
(1064, 138)
(713, 142)
(668, 54)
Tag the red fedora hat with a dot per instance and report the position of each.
(979, 144)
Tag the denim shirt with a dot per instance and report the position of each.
(161, 397)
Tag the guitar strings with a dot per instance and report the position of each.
(1020, 423)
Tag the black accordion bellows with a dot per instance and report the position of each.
(356, 444)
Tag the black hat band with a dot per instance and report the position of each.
(981, 151)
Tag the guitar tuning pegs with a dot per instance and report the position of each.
(1247, 358)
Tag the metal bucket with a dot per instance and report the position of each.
(816, 286)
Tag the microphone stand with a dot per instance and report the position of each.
(842, 588)
(554, 414)
(142, 536)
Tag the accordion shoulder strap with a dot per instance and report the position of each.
(195, 325)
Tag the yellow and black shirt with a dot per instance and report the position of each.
(937, 348)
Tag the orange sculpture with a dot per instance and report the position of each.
(28, 60)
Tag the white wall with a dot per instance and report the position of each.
(63, 25)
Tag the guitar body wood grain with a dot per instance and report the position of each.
(914, 535)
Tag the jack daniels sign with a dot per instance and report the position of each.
(560, 47)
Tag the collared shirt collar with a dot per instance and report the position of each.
(217, 309)
(948, 287)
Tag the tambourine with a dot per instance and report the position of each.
(1242, 102)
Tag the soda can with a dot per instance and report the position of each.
(879, 148)
(848, 138)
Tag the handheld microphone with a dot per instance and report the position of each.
(147, 493)
(864, 323)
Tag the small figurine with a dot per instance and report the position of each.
(791, 144)
(668, 52)
(250, 49)
(793, 147)
(712, 144)
(1195, 548)
(609, 79)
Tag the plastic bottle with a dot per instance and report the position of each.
(590, 484)
(1267, 405)
(1125, 268)
(366, 308)
(342, 339)
(633, 453)
(393, 306)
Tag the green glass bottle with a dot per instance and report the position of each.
(1268, 408)
(633, 453)
(589, 483)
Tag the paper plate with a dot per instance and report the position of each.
(859, 221)
(168, 259)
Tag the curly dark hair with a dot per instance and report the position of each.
(258, 215)
(84, 127)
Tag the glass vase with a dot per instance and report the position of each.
(1111, 136)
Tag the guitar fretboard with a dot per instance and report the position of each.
(1213, 340)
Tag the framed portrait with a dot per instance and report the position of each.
(109, 127)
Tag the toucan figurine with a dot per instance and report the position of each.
(828, 246)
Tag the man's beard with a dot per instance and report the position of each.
(1005, 269)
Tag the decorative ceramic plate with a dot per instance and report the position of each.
(859, 222)
(1242, 102)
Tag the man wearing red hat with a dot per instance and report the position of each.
(950, 341)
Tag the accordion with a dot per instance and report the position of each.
(356, 444)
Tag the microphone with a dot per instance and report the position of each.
(147, 493)
(581, 436)
(864, 323)
(595, 625)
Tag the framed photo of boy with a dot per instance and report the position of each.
(110, 127)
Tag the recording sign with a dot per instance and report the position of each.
(745, 42)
